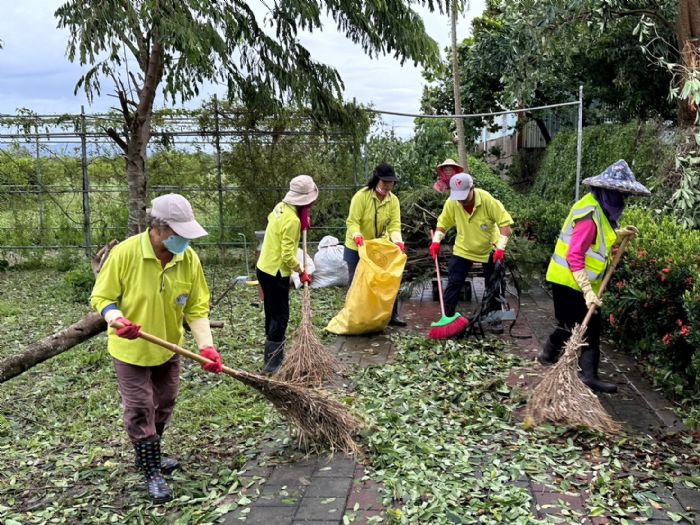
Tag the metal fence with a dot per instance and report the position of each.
(63, 183)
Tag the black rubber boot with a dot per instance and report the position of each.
(274, 355)
(589, 361)
(149, 458)
(167, 465)
(395, 319)
(549, 354)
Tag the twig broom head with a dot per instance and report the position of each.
(317, 416)
(306, 361)
(562, 398)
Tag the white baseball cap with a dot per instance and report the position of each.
(460, 186)
(175, 210)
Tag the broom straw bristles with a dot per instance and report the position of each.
(562, 398)
(306, 361)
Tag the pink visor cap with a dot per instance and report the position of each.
(175, 210)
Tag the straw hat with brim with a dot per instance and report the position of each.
(618, 177)
(450, 162)
(302, 191)
(460, 186)
(177, 212)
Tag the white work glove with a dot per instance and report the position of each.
(588, 294)
(625, 232)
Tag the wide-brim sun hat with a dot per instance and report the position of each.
(450, 162)
(176, 211)
(618, 177)
(302, 191)
(460, 186)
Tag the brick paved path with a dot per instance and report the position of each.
(320, 490)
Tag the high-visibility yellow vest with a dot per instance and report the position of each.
(596, 257)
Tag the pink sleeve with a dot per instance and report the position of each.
(581, 239)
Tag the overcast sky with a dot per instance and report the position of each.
(35, 73)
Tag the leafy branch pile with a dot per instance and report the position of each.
(448, 447)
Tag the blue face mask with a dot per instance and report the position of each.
(176, 244)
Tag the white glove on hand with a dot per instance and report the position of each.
(588, 294)
(625, 232)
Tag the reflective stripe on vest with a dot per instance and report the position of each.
(597, 255)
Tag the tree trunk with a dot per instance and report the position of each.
(688, 32)
(89, 326)
(459, 123)
(542, 127)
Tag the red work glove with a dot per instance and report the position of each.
(499, 255)
(128, 330)
(434, 249)
(359, 240)
(305, 218)
(216, 366)
(401, 246)
(305, 278)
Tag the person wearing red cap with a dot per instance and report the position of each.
(154, 279)
(277, 261)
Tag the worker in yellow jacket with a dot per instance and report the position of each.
(483, 229)
(154, 279)
(374, 213)
(277, 261)
(579, 262)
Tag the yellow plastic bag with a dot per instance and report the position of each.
(370, 298)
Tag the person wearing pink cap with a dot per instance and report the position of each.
(483, 228)
(277, 261)
(155, 280)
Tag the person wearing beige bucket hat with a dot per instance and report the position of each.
(277, 261)
(445, 171)
(154, 279)
(579, 262)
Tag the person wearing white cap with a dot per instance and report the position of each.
(375, 212)
(483, 228)
(154, 279)
(277, 261)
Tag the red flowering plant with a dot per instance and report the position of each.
(653, 302)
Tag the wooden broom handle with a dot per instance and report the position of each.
(606, 278)
(178, 349)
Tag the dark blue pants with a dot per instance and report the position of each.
(352, 257)
(458, 268)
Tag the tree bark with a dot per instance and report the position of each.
(688, 32)
(89, 326)
(459, 123)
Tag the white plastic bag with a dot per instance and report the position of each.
(308, 267)
(331, 269)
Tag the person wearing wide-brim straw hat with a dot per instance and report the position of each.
(445, 171)
(580, 258)
(374, 213)
(154, 279)
(277, 261)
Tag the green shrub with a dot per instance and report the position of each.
(79, 283)
(653, 306)
(648, 149)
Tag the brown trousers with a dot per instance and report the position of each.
(148, 396)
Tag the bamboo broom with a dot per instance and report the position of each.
(307, 361)
(317, 417)
(561, 397)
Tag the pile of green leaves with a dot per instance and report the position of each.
(448, 447)
(65, 454)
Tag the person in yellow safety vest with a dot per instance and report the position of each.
(579, 262)
(445, 171)
(277, 261)
(375, 212)
(483, 228)
(154, 279)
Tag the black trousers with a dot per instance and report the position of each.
(569, 309)
(458, 268)
(276, 300)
